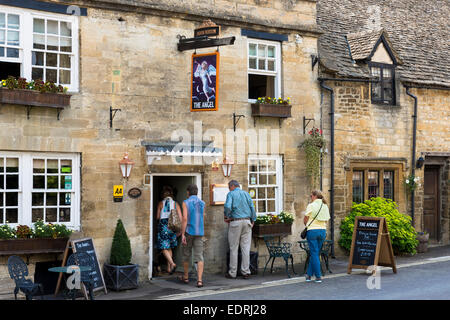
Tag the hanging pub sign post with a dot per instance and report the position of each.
(371, 245)
(204, 82)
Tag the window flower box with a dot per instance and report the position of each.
(33, 245)
(273, 225)
(33, 98)
(271, 110)
(277, 229)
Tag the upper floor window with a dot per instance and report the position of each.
(264, 64)
(36, 45)
(383, 90)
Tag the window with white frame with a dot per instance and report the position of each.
(38, 186)
(36, 45)
(265, 183)
(264, 64)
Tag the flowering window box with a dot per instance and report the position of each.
(33, 98)
(273, 230)
(271, 110)
(31, 246)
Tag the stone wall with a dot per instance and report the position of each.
(378, 136)
(134, 65)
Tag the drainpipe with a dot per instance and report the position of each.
(413, 161)
(332, 163)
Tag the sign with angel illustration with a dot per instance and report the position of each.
(205, 82)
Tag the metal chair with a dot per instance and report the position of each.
(18, 270)
(279, 249)
(324, 254)
(83, 259)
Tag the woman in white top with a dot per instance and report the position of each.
(166, 238)
(316, 218)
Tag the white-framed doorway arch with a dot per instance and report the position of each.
(198, 182)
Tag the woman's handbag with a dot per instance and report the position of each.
(305, 231)
(174, 223)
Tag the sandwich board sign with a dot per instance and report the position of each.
(371, 245)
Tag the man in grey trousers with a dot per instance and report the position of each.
(240, 214)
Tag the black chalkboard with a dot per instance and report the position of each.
(371, 244)
(87, 246)
(366, 240)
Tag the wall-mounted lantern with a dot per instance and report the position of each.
(420, 162)
(227, 165)
(125, 166)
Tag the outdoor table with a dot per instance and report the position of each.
(324, 253)
(70, 268)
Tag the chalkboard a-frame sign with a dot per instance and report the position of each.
(86, 245)
(371, 245)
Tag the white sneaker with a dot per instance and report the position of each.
(318, 280)
(308, 279)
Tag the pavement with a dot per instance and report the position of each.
(168, 287)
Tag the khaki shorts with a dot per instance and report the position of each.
(196, 243)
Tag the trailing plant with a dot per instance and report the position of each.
(412, 182)
(42, 230)
(6, 232)
(24, 232)
(283, 217)
(38, 85)
(269, 100)
(286, 217)
(313, 146)
(402, 233)
(121, 248)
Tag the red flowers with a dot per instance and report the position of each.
(315, 132)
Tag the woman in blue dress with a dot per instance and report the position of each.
(167, 239)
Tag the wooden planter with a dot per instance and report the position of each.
(121, 277)
(271, 110)
(30, 246)
(33, 98)
(277, 229)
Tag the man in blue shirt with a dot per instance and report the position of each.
(240, 214)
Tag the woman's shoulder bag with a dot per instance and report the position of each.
(305, 231)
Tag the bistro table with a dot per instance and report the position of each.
(70, 270)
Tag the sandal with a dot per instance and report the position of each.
(183, 279)
(173, 269)
(199, 284)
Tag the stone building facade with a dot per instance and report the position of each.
(123, 55)
(376, 148)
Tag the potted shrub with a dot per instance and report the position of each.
(273, 225)
(423, 238)
(120, 274)
(402, 233)
(272, 107)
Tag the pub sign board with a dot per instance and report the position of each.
(205, 82)
(371, 244)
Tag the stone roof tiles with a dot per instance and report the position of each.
(418, 33)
